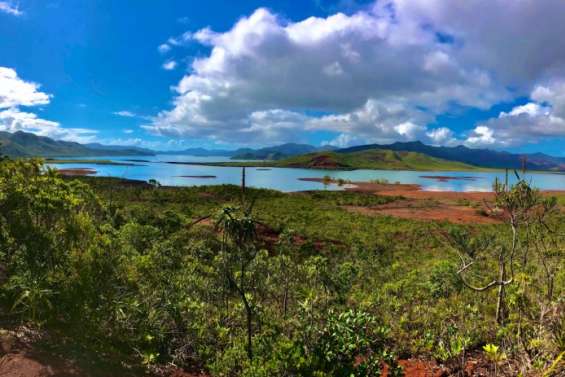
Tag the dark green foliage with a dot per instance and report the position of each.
(349, 343)
(443, 280)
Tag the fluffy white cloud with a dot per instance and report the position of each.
(125, 114)
(13, 120)
(175, 42)
(169, 65)
(375, 122)
(532, 122)
(531, 109)
(130, 114)
(10, 8)
(381, 74)
(169, 144)
(519, 41)
(481, 136)
(15, 93)
(441, 136)
(348, 66)
(342, 141)
(552, 94)
(164, 48)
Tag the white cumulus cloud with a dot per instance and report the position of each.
(481, 136)
(16, 93)
(380, 74)
(164, 48)
(529, 123)
(336, 65)
(169, 65)
(9, 8)
(125, 114)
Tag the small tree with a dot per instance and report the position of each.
(520, 206)
(238, 251)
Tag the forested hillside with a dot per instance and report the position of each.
(24, 144)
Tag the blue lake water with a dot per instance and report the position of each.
(285, 179)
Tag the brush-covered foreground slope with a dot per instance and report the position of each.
(373, 159)
(302, 284)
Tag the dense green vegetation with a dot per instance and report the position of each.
(261, 283)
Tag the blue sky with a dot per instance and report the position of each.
(218, 74)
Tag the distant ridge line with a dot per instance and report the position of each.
(479, 157)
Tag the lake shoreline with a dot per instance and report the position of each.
(192, 173)
(273, 164)
(406, 190)
(259, 165)
(92, 162)
(415, 191)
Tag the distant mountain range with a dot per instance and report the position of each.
(277, 152)
(22, 144)
(201, 152)
(120, 149)
(478, 157)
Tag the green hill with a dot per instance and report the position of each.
(478, 157)
(373, 159)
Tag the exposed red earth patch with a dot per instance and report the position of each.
(451, 206)
(419, 368)
(25, 353)
(368, 186)
(414, 191)
(76, 171)
(268, 237)
(321, 162)
(24, 365)
(447, 178)
(412, 209)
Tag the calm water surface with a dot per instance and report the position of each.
(285, 179)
